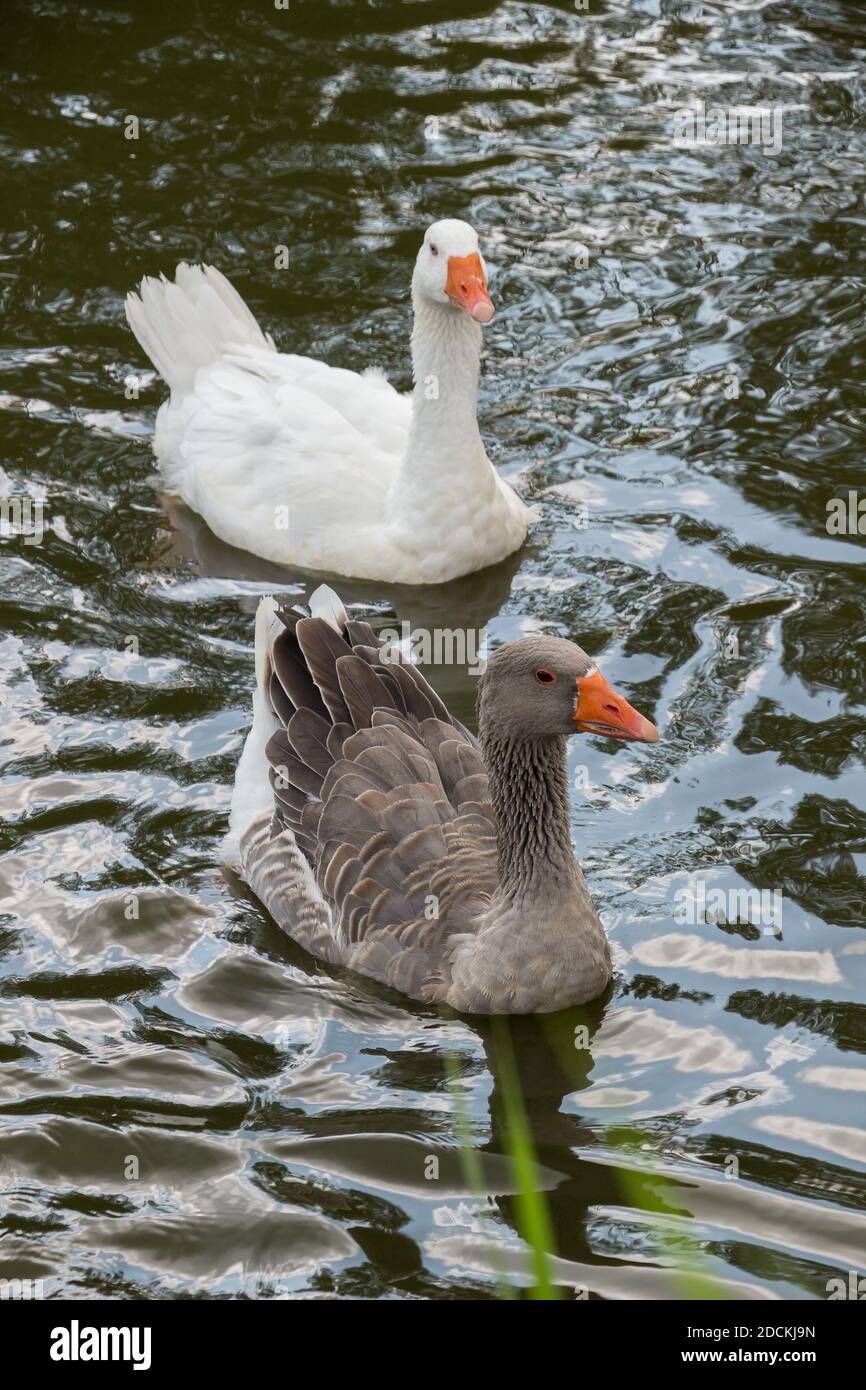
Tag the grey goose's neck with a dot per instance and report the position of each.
(529, 792)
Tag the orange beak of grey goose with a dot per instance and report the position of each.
(599, 710)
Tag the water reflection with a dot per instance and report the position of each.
(681, 402)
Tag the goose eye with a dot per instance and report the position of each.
(544, 677)
(434, 250)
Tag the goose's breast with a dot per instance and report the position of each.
(531, 958)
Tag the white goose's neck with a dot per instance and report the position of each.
(444, 444)
(446, 363)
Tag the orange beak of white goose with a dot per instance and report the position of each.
(599, 710)
(467, 286)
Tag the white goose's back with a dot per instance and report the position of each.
(278, 453)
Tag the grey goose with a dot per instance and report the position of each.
(383, 836)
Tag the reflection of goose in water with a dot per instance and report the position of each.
(463, 607)
(545, 1062)
(542, 1059)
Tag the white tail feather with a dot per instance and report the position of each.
(252, 795)
(268, 628)
(324, 603)
(191, 322)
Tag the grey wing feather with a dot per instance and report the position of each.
(381, 849)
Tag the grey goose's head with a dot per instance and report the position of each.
(544, 687)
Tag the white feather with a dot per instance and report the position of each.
(252, 795)
(324, 603)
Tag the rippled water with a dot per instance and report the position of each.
(189, 1103)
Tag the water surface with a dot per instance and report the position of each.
(188, 1103)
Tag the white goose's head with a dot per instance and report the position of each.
(450, 269)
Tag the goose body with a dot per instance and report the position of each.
(323, 468)
(383, 836)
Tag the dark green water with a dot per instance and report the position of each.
(697, 388)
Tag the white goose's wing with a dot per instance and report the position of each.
(367, 401)
(247, 426)
(250, 442)
(380, 850)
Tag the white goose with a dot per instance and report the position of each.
(322, 468)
